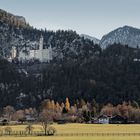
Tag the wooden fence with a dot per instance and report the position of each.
(22, 133)
(41, 133)
(98, 134)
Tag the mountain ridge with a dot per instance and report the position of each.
(66, 44)
(94, 39)
(126, 35)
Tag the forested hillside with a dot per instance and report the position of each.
(112, 76)
(80, 69)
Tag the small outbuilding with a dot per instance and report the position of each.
(117, 119)
(4, 121)
(29, 118)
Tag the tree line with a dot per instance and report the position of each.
(82, 112)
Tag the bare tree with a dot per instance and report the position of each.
(51, 130)
(29, 129)
(8, 112)
(46, 119)
(8, 130)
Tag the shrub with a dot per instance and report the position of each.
(8, 130)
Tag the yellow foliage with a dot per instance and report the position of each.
(67, 104)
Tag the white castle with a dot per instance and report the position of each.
(43, 55)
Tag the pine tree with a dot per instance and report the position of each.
(52, 105)
(58, 107)
(62, 105)
(82, 102)
(46, 104)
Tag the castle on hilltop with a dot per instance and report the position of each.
(43, 55)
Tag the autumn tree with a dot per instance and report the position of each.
(8, 112)
(82, 102)
(53, 105)
(46, 104)
(123, 109)
(19, 115)
(73, 110)
(62, 105)
(58, 108)
(67, 104)
(109, 110)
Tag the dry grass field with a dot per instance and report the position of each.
(81, 128)
(70, 138)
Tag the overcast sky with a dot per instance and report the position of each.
(92, 17)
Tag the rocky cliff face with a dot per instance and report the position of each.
(12, 19)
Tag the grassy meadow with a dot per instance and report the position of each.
(80, 128)
(71, 138)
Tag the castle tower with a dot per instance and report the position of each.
(50, 52)
(40, 51)
(14, 52)
(41, 43)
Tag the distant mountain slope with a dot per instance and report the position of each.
(124, 35)
(95, 40)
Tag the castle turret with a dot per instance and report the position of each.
(50, 52)
(14, 52)
(41, 43)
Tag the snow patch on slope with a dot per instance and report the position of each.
(95, 40)
(125, 35)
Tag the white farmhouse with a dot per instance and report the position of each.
(103, 119)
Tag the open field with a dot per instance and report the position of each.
(81, 128)
(85, 128)
(70, 138)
